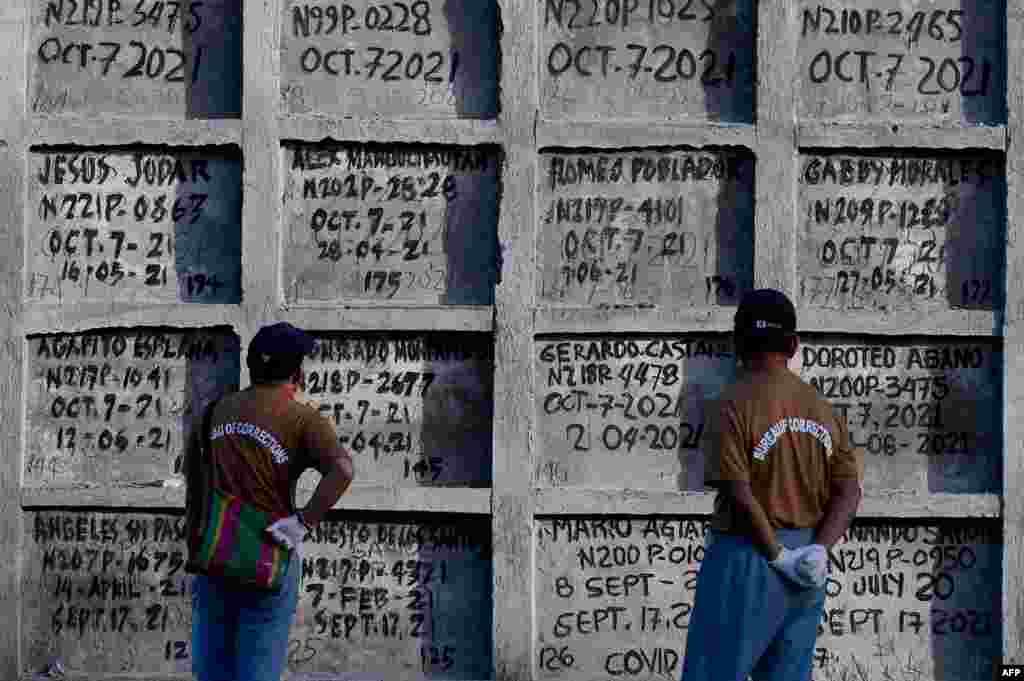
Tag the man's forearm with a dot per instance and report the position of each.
(755, 520)
(328, 491)
(839, 515)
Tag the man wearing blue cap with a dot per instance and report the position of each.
(788, 485)
(261, 441)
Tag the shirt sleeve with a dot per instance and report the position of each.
(847, 460)
(726, 452)
(320, 442)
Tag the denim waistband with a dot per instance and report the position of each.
(790, 536)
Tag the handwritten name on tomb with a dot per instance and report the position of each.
(407, 223)
(890, 233)
(915, 408)
(135, 226)
(625, 586)
(412, 409)
(115, 406)
(417, 592)
(653, 228)
(107, 592)
(600, 399)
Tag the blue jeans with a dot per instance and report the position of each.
(747, 618)
(241, 634)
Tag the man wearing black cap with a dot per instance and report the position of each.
(261, 441)
(788, 485)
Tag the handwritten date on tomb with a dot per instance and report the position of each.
(886, 232)
(611, 579)
(125, 59)
(397, 592)
(378, 223)
(904, 61)
(114, 575)
(116, 394)
(662, 63)
(117, 221)
(625, 396)
(632, 228)
(967, 75)
(310, 21)
(381, 395)
(904, 400)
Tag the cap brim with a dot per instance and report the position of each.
(764, 333)
(306, 343)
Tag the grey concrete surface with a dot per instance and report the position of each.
(221, 93)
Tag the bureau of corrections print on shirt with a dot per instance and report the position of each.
(776, 432)
(261, 444)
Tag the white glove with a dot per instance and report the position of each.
(813, 563)
(787, 562)
(288, 531)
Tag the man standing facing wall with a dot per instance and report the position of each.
(789, 483)
(261, 441)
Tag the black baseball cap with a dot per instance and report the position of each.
(765, 313)
(280, 339)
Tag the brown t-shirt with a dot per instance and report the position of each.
(261, 443)
(776, 432)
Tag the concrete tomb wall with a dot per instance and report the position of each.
(519, 230)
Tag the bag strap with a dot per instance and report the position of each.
(199, 478)
(207, 419)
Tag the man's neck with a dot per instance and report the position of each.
(766, 362)
(286, 388)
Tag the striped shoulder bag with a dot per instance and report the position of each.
(227, 537)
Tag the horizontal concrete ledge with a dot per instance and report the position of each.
(719, 319)
(633, 320)
(294, 676)
(448, 131)
(548, 501)
(423, 499)
(158, 494)
(901, 322)
(48, 318)
(641, 133)
(357, 676)
(121, 131)
(878, 504)
(937, 505)
(584, 501)
(93, 676)
(89, 316)
(437, 318)
(899, 134)
(161, 495)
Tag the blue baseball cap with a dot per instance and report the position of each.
(280, 339)
(765, 313)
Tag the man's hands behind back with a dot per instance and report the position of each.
(813, 563)
(805, 566)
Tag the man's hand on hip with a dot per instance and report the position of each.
(288, 531)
